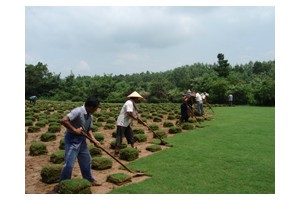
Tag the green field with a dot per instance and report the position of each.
(234, 154)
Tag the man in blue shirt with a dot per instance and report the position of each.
(78, 120)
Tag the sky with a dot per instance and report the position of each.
(116, 40)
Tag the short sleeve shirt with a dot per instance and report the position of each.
(123, 118)
(80, 118)
(198, 97)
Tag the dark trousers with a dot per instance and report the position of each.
(127, 132)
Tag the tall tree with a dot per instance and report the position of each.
(223, 68)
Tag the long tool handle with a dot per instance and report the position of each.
(88, 137)
(151, 131)
(210, 107)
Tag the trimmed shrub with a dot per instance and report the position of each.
(187, 126)
(118, 178)
(101, 163)
(51, 174)
(54, 128)
(46, 137)
(37, 148)
(140, 137)
(33, 129)
(129, 154)
(94, 151)
(153, 148)
(99, 137)
(75, 186)
(175, 129)
(160, 133)
(62, 143)
(138, 131)
(168, 124)
(154, 127)
(57, 157)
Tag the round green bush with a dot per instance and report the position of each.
(153, 148)
(175, 129)
(51, 174)
(57, 157)
(168, 124)
(101, 163)
(119, 178)
(75, 186)
(129, 153)
(37, 148)
(140, 137)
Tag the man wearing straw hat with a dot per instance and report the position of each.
(128, 113)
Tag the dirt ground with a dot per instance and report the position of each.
(34, 164)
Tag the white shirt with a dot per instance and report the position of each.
(123, 118)
(203, 96)
(198, 97)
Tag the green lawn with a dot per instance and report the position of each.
(234, 154)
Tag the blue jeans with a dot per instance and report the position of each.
(200, 108)
(76, 147)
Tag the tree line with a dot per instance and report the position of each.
(252, 83)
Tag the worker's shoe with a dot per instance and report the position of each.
(95, 183)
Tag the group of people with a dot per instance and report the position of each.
(187, 105)
(79, 121)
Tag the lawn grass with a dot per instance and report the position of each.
(234, 154)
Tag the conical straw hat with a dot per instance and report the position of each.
(135, 94)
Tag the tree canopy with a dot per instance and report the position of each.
(251, 83)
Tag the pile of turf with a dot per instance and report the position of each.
(75, 186)
(57, 157)
(175, 129)
(153, 148)
(129, 154)
(51, 174)
(46, 137)
(101, 163)
(94, 151)
(119, 178)
(37, 148)
(140, 137)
